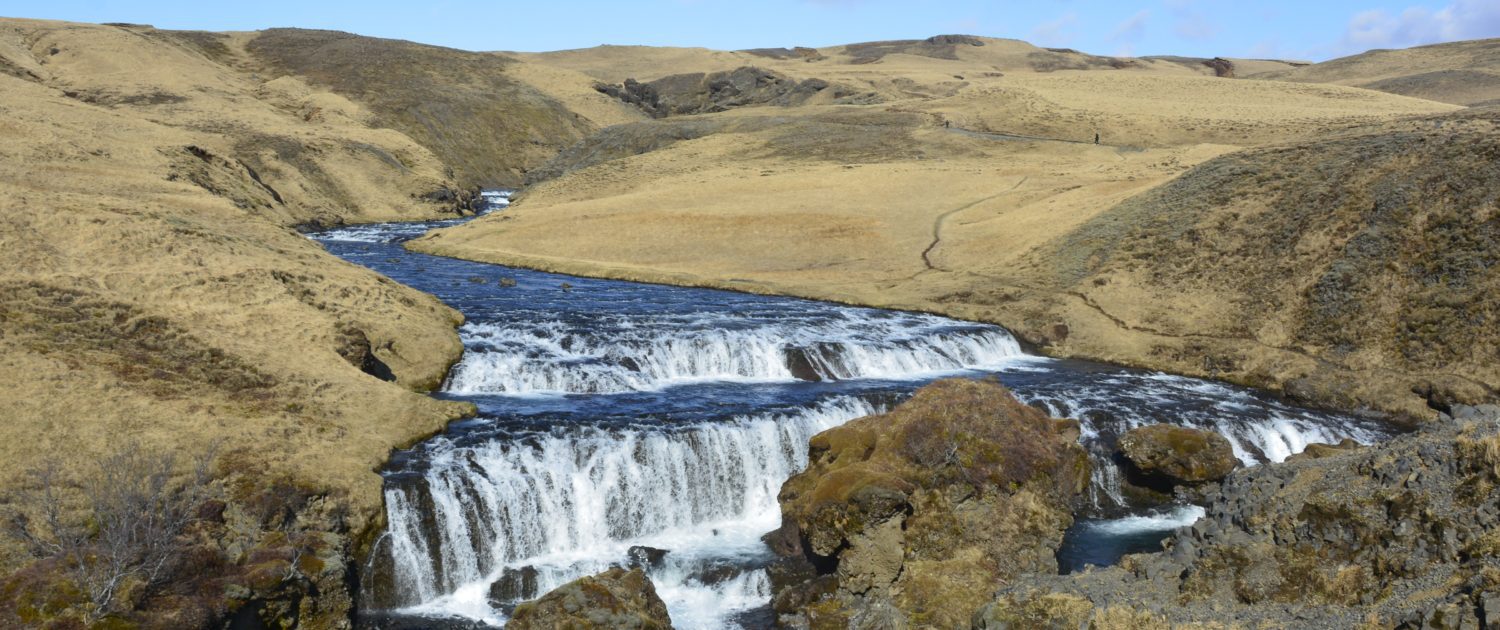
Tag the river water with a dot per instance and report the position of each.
(617, 414)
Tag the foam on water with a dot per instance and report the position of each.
(1180, 516)
(611, 355)
(572, 503)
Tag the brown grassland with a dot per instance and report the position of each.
(1328, 231)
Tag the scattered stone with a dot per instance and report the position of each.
(616, 598)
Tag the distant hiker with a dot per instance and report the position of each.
(1096, 138)
(947, 124)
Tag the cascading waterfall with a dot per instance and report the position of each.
(580, 498)
(554, 357)
(1259, 430)
(616, 415)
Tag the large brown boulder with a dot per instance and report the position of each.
(616, 598)
(1171, 455)
(913, 517)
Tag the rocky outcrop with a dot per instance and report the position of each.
(699, 93)
(836, 135)
(910, 518)
(1164, 455)
(1398, 535)
(616, 598)
(937, 47)
(798, 52)
(1222, 67)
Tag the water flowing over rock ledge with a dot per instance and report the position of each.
(617, 416)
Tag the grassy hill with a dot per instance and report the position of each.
(1462, 73)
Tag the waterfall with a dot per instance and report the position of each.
(1259, 430)
(615, 415)
(559, 358)
(575, 499)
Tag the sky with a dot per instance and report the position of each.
(1312, 30)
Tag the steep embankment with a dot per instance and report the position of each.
(155, 301)
(483, 123)
(1462, 73)
(1356, 270)
(969, 204)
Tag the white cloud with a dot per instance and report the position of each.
(1058, 32)
(1195, 27)
(1191, 23)
(1132, 29)
(1415, 26)
(1129, 33)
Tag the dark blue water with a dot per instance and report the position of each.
(598, 398)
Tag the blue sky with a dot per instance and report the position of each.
(1300, 29)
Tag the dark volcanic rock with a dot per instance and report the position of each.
(646, 557)
(1222, 67)
(697, 93)
(1404, 534)
(514, 585)
(354, 347)
(910, 518)
(717, 573)
(1165, 455)
(616, 598)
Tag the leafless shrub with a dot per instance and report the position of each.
(129, 532)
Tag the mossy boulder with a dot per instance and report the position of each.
(617, 598)
(912, 517)
(1166, 455)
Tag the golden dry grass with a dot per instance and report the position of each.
(154, 291)
(950, 196)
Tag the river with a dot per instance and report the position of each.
(614, 415)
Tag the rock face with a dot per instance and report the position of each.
(699, 93)
(1405, 534)
(912, 517)
(1167, 455)
(616, 598)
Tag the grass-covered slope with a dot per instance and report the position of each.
(488, 127)
(1463, 73)
(1374, 251)
(157, 307)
